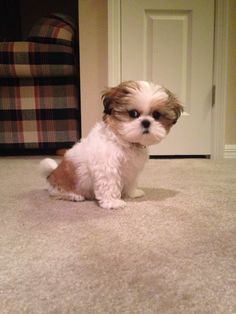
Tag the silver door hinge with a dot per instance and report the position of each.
(213, 95)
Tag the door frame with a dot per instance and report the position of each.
(219, 67)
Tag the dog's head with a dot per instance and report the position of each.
(141, 112)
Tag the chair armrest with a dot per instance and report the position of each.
(54, 29)
(28, 59)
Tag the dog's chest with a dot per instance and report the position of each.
(132, 163)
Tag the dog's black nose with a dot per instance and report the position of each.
(146, 124)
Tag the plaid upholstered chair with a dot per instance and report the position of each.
(39, 94)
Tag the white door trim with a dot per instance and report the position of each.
(219, 71)
(114, 42)
(220, 78)
(230, 151)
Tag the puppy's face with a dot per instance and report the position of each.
(141, 112)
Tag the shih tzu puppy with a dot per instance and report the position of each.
(105, 165)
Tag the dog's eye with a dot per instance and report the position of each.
(134, 114)
(156, 115)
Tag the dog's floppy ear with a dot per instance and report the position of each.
(107, 101)
(174, 104)
(110, 98)
(115, 97)
(106, 104)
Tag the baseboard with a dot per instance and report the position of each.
(230, 151)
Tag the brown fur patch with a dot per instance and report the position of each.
(64, 177)
(173, 104)
(115, 99)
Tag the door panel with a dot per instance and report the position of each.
(171, 43)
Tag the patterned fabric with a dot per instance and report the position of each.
(55, 29)
(39, 96)
(24, 59)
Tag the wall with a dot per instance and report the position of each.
(93, 59)
(230, 130)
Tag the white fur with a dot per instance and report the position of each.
(132, 132)
(147, 92)
(46, 166)
(107, 167)
(62, 195)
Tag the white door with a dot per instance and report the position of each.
(170, 42)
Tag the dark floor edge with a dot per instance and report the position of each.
(179, 156)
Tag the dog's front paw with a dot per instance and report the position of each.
(112, 204)
(136, 193)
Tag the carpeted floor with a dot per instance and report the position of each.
(172, 252)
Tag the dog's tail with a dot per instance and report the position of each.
(47, 166)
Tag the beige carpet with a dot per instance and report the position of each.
(174, 251)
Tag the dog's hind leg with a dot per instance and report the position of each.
(63, 195)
